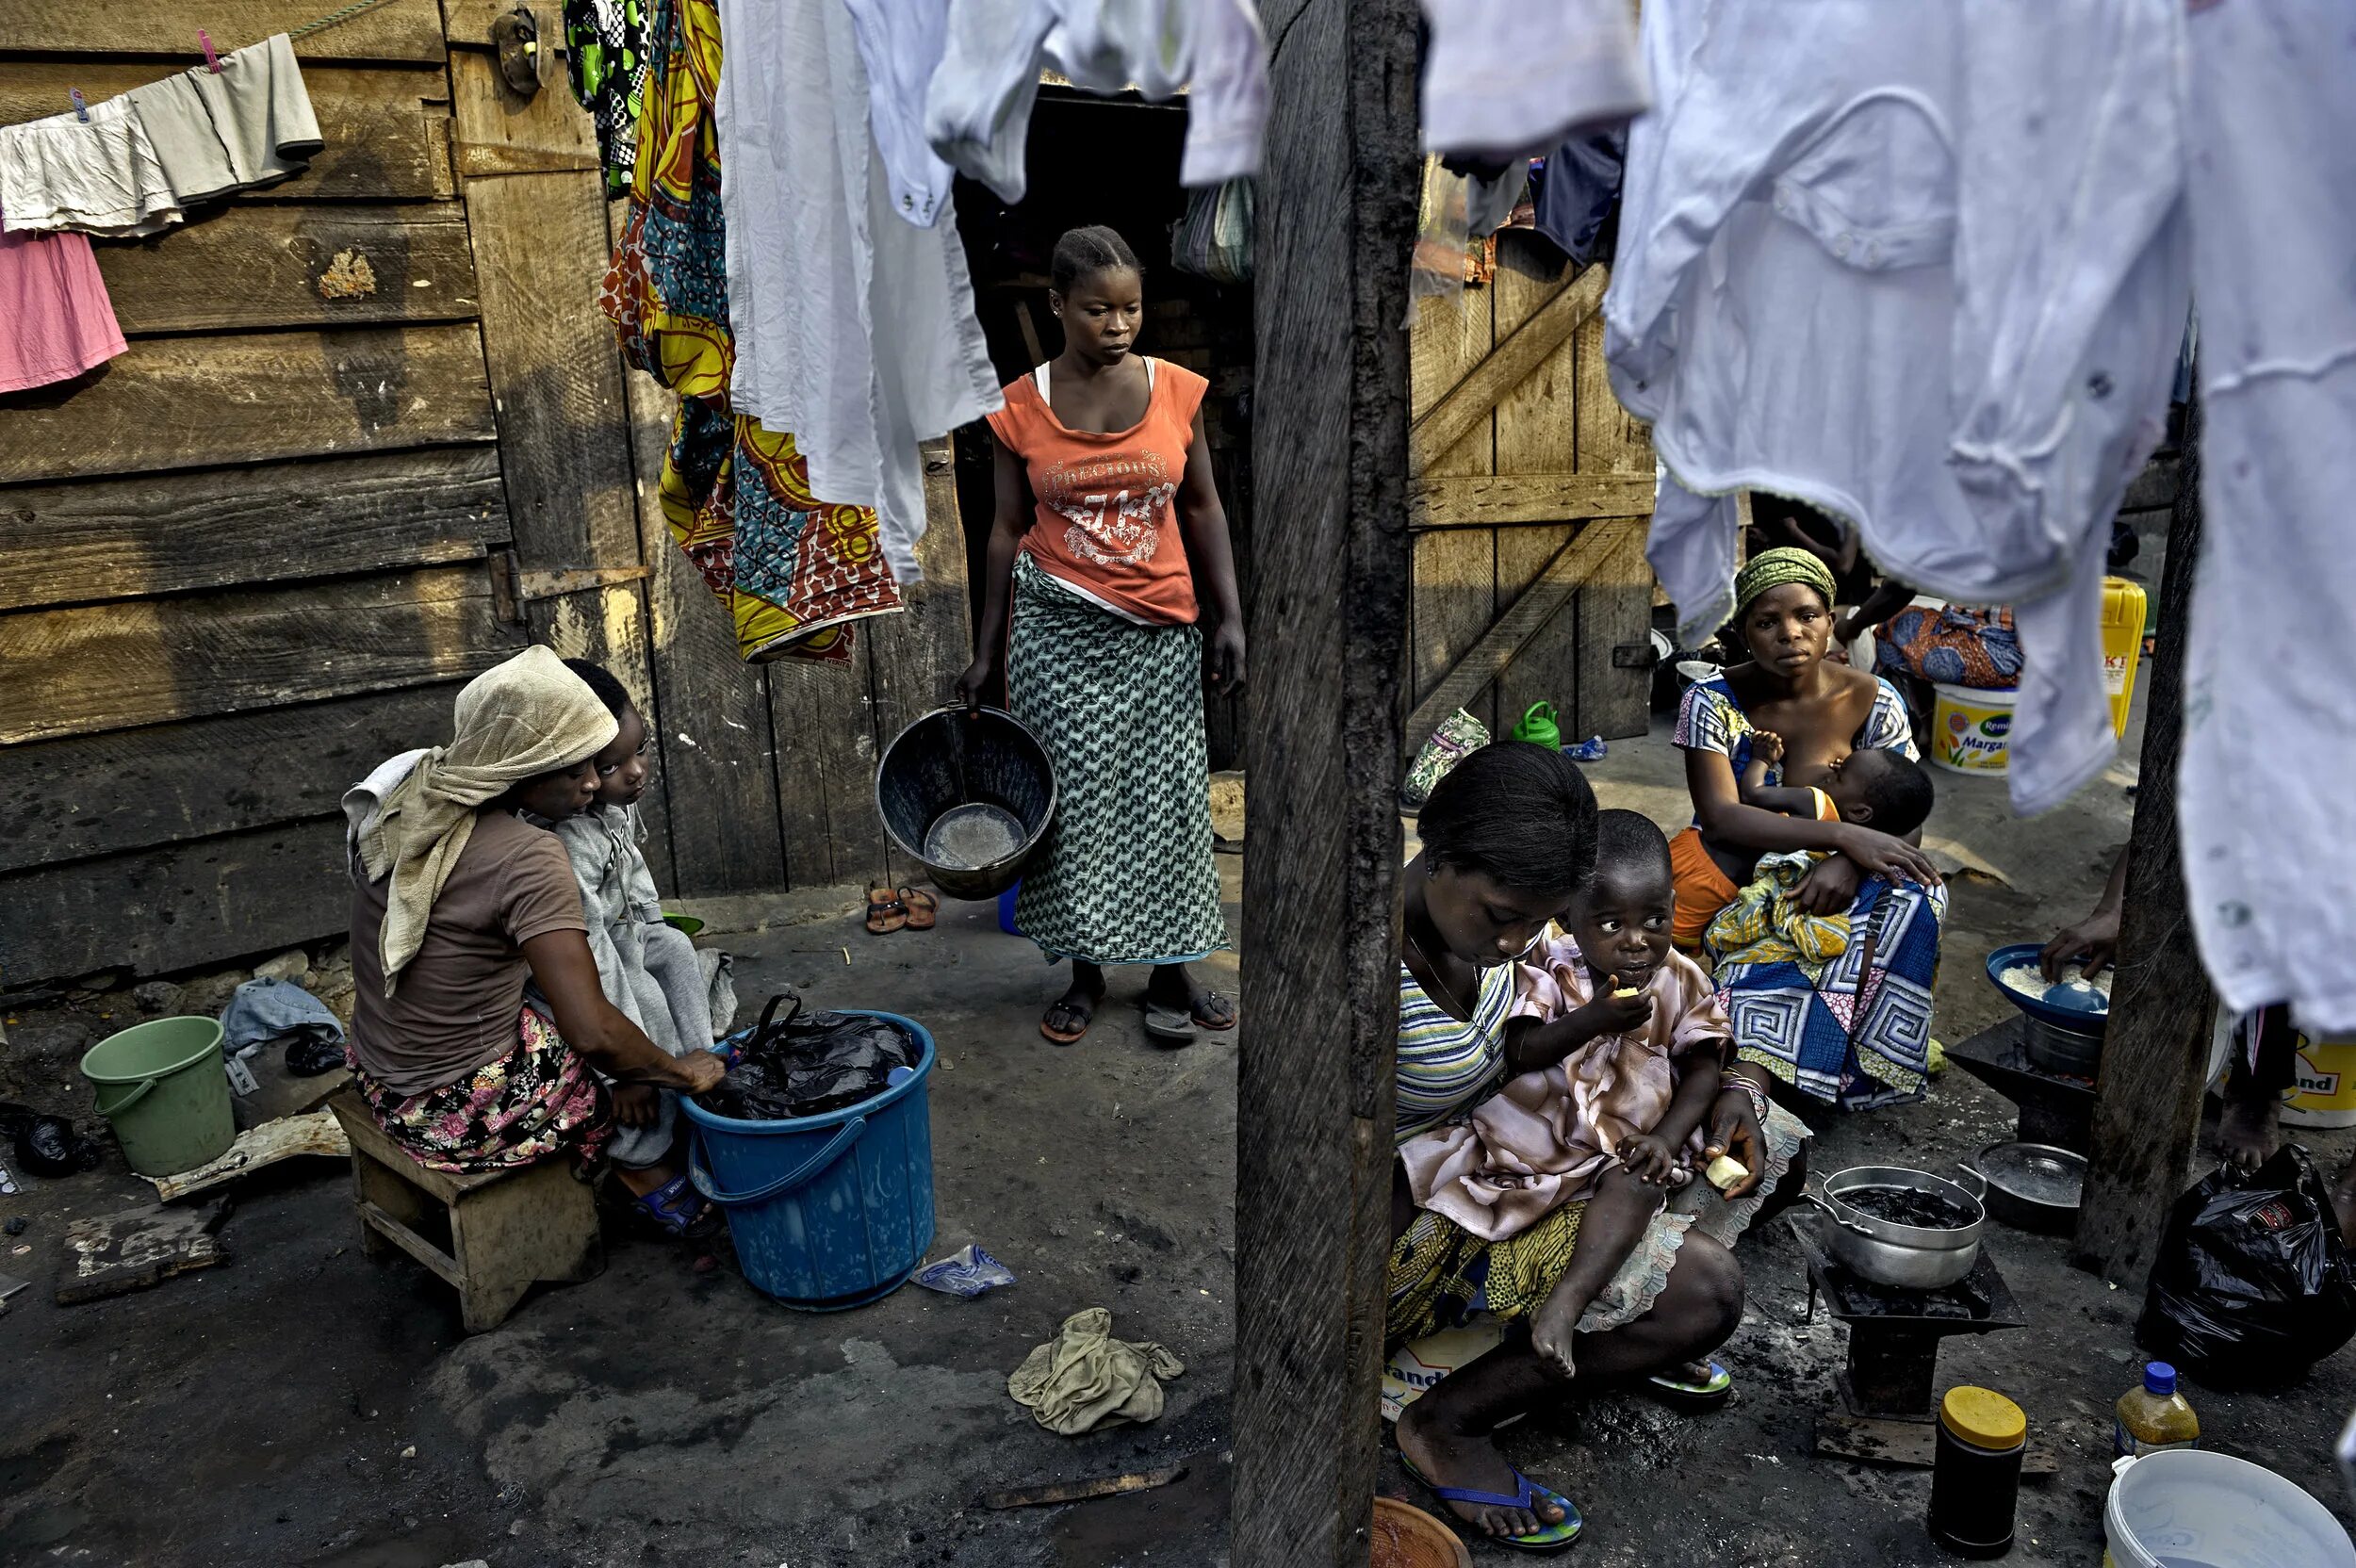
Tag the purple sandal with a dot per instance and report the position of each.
(674, 1209)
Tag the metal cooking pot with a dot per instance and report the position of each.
(2031, 1186)
(1906, 1257)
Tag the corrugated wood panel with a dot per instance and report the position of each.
(162, 784)
(387, 130)
(243, 267)
(194, 402)
(100, 667)
(185, 904)
(403, 30)
(165, 534)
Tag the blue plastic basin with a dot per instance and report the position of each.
(2073, 1018)
(826, 1212)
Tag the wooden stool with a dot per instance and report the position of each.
(508, 1228)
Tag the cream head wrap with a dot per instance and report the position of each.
(515, 721)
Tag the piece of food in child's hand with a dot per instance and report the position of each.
(1623, 992)
(1725, 1170)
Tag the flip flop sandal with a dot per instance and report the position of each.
(885, 912)
(1678, 1391)
(674, 1208)
(1168, 1025)
(1061, 1036)
(1547, 1539)
(921, 905)
(1214, 1025)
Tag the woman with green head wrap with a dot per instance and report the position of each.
(1808, 714)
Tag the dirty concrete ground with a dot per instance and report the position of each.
(303, 1406)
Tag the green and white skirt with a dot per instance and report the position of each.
(1125, 877)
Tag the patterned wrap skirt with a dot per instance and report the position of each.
(540, 1099)
(1442, 1276)
(1125, 877)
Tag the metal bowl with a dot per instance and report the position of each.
(2031, 1186)
(1907, 1257)
(956, 757)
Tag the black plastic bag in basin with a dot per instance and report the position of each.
(807, 1065)
(2252, 1284)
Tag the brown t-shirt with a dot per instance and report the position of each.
(457, 1003)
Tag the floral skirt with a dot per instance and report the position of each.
(538, 1100)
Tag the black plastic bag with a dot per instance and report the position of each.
(2252, 1284)
(47, 1145)
(807, 1065)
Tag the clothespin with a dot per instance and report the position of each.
(212, 61)
(81, 110)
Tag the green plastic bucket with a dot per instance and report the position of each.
(164, 1088)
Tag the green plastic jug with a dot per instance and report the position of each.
(1539, 726)
(166, 1091)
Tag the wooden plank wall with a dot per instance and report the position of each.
(251, 557)
(1510, 475)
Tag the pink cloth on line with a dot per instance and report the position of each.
(1546, 1138)
(55, 319)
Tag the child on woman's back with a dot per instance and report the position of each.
(647, 969)
(1620, 1045)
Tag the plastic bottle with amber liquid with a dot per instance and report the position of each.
(2154, 1416)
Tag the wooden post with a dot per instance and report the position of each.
(2156, 1055)
(1328, 617)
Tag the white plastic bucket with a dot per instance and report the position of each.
(2325, 1093)
(1971, 728)
(2187, 1508)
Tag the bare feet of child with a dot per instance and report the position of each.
(1552, 1328)
(1447, 1456)
(2250, 1131)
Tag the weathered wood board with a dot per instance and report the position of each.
(113, 1254)
(241, 268)
(195, 402)
(259, 1148)
(164, 533)
(170, 783)
(403, 30)
(500, 132)
(99, 667)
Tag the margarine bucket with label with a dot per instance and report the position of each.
(1969, 729)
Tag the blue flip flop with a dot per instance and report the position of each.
(1548, 1538)
(1702, 1394)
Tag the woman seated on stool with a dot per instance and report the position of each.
(455, 902)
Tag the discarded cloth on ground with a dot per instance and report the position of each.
(265, 1010)
(1085, 1378)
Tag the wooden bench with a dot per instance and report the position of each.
(508, 1228)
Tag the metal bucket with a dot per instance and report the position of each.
(956, 757)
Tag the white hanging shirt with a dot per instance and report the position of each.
(1921, 266)
(1503, 79)
(977, 111)
(2269, 747)
(900, 44)
(855, 331)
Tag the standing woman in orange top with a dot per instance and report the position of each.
(1108, 555)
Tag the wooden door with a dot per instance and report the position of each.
(1533, 489)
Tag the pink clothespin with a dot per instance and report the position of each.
(81, 110)
(212, 61)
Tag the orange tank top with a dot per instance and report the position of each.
(1108, 519)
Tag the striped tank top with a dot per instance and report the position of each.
(1447, 1064)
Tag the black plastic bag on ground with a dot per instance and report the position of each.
(2252, 1284)
(47, 1145)
(807, 1065)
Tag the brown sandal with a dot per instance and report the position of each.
(921, 907)
(885, 912)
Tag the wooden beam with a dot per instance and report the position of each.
(110, 667)
(165, 534)
(1502, 501)
(2155, 1054)
(184, 905)
(402, 31)
(241, 268)
(1315, 1094)
(1510, 363)
(190, 403)
(387, 130)
(171, 783)
(1578, 560)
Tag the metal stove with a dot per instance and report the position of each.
(2055, 1108)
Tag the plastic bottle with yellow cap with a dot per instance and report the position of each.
(1975, 1476)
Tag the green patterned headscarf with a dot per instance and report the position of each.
(1774, 568)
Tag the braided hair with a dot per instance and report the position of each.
(1084, 253)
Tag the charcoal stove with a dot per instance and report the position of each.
(1889, 1384)
(2055, 1108)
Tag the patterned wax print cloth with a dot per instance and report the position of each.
(1710, 718)
(605, 54)
(791, 572)
(518, 1109)
(1808, 1004)
(1951, 643)
(1125, 874)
